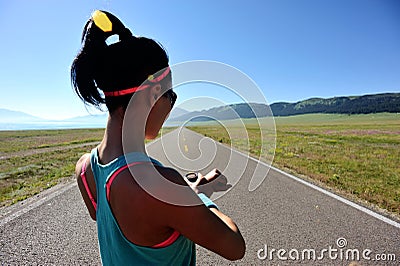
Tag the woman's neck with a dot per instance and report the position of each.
(113, 144)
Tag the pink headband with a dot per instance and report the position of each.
(150, 78)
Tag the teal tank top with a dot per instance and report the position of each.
(115, 248)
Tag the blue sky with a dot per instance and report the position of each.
(293, 49)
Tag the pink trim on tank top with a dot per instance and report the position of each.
(171, 239)
(114, 175)
(84, 181)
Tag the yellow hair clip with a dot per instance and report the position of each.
(102, 21)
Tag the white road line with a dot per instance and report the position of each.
(339, 198)
(328, 193)
(30, 207)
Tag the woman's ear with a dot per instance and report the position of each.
(155, 94)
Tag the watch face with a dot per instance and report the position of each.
(192, 177)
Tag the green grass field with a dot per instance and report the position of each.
(357, 155)
(33, 160)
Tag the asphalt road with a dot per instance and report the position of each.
(283, 214)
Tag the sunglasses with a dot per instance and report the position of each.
(171, 95)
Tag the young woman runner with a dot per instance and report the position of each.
(134, 227)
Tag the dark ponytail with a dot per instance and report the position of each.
(118, 66)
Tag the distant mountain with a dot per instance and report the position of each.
(375, 103)
(9, 116)
(15, 120)
(232, 111)
(177, 112)
(89, 119)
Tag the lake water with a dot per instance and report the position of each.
(71, 125)
(48, 125)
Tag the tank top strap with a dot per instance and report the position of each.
(103, 172)
(116, 173)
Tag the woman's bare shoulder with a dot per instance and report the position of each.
(140, 181)
(171, 175)
(79, 163)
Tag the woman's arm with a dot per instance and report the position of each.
(90, 182)
(208, 227)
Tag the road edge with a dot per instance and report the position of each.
(320, 189)
(9, 213)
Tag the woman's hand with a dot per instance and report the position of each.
(212, 182)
